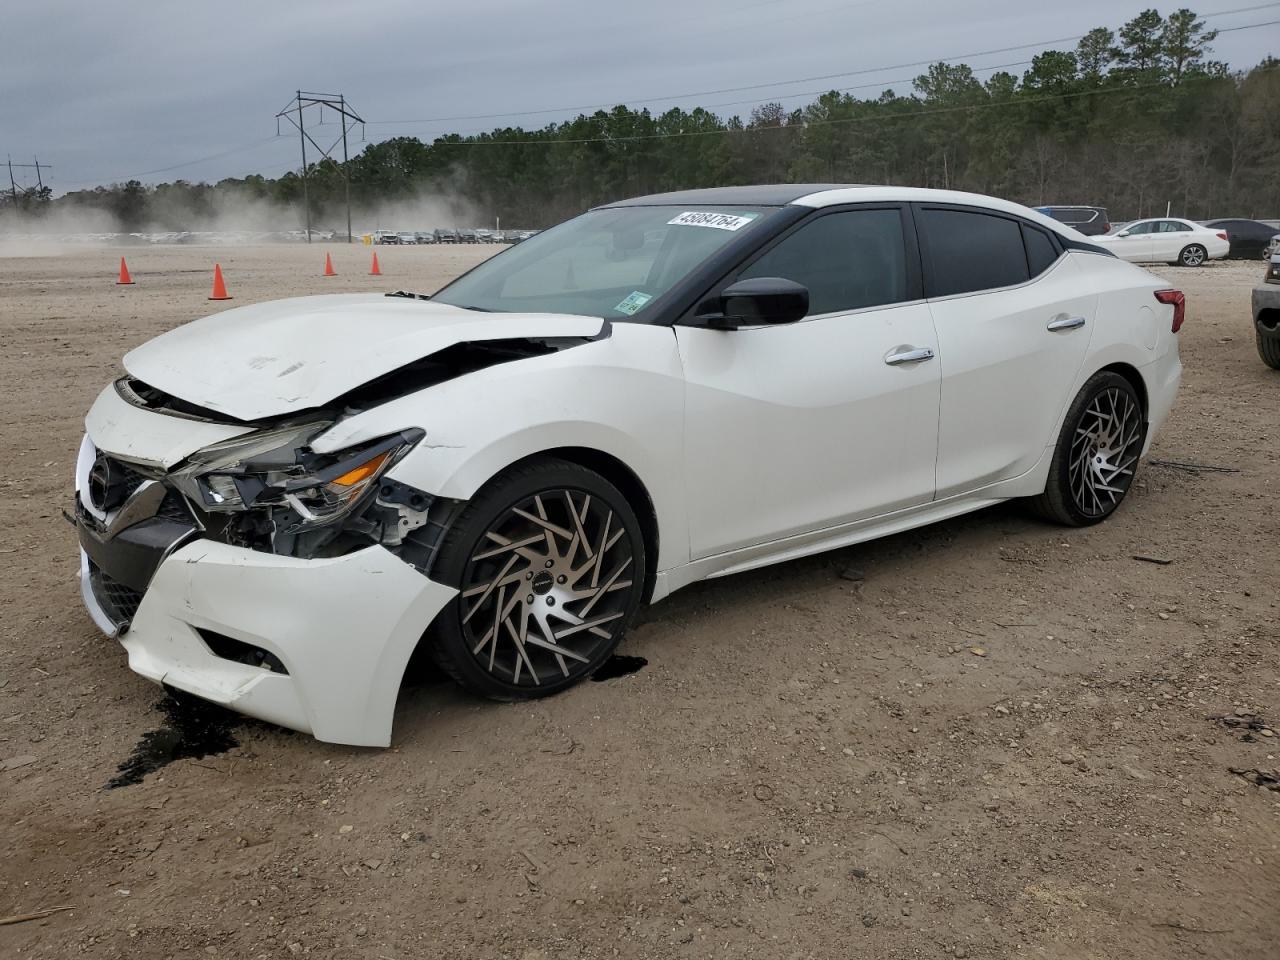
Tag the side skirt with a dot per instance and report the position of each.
(819, 541)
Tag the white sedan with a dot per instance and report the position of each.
(278, 504)
(1166, 240)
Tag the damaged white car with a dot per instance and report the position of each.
(278, 504)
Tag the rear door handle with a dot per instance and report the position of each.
(911, 355)
(1064, 323)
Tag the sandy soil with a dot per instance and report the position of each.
(996, 744)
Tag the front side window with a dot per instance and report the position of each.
(848, 260)
(970, 251)
(610, 263)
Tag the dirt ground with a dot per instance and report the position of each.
(994, 744)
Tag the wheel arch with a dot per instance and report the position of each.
(1134, 376)
(633, 488)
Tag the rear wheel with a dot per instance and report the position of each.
(549, 563)
(1193, 255)
(1269, 341)
(1097, 453)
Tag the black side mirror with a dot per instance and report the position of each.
(760, 300)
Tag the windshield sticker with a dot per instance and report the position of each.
(633, 302)
(717, 221)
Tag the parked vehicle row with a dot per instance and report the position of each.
(449, 235)
(1153, 240)
(1169, 240)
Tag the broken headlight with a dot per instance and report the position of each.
(276, 470)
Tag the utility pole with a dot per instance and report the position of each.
(347, 117)
(302, 139)
(346, 180)
(37, 166)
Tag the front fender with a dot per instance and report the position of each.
(622, 396)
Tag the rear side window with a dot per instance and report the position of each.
(1042, 253)
(848, 260)
(970, 251)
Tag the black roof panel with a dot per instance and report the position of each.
(759, 195)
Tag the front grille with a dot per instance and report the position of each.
(174, 507)
(125, 480)
(118, 601)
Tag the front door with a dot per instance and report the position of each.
(799, 427)
(1135, 243)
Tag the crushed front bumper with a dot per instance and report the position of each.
(338, 634)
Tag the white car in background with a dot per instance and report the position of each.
(1166, 240)
(277, 505)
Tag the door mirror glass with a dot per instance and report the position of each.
(762, 300)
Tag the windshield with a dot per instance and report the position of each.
(608, 263)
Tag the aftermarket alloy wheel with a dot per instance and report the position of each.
(1097, 453)
(1193, 255)
(550, 564)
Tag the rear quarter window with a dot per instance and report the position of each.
(1042, 252)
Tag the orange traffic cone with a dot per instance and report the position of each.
(328, 266)
(124, 274)
(219, 288)
(375, 270)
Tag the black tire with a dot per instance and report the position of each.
(1193, 255)
(1268, 344)
(506, 668)
(1063, 501)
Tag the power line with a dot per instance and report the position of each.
(904, 115)
(178, 166)
(774, 83)
(258, 143)
(785, 96)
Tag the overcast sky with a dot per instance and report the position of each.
(106, 92)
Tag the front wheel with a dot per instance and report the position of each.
(1097, 453)
(1193, 255)
(549, 562)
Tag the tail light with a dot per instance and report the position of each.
(1222, 235)
(1106, 227)
(1179, 303)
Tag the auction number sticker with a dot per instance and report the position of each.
(633, 302)
(717, 221)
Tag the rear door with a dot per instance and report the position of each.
(1013, 328)
(1168, 238)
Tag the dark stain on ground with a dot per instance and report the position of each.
(618, 666)
(193, 728)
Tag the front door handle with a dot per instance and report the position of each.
(910, 355)
(1064, 323)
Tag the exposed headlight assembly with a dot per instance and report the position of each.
(277, 468)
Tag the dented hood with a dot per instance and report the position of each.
(268, 359)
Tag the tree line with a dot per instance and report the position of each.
(1132, 119)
